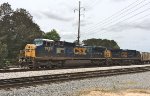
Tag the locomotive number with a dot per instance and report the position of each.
(48, 49)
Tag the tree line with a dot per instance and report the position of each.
(17, 28)
(110, 44)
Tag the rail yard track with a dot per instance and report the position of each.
(18, 70)
(25, 70)
(21, 70)
(23, 81)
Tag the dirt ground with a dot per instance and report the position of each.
(135, 92)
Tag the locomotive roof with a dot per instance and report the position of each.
(94, 47)
(44, 40)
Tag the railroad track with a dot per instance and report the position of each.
(19, 82)
(20, 70)
(25, 70)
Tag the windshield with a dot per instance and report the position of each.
(38, 42)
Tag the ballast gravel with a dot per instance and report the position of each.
(73, 88)
(62, 71)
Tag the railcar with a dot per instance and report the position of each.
(125, 57)
(45, 53)
(145, 57)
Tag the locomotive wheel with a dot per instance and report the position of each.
(59, 64)
(50, 64)
(101, 63)
(107, 62)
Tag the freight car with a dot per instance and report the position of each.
(45, 53)
(145, 57)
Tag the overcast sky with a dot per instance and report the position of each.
(125, 21)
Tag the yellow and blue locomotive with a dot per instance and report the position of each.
(45, 53)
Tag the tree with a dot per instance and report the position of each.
(99, 42)
(5, 9)
(17, 29)
(53, 35)
(3, 54)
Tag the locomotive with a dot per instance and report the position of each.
(45, 53)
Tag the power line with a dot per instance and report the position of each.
(92, 4)
(122, 16)
(124, 9)
(125, 19)
(118, 15)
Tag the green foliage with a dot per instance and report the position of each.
(17, 29)
(52, 35)
(5, 9)
(101, 42)
(3, 54)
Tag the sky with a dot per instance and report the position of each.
(125, 21)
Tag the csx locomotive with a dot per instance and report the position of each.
(45, 53)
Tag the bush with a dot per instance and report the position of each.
(3, 54)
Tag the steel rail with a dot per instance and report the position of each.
(42, 69)
(20, 70)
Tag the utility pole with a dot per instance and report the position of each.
(79, 10)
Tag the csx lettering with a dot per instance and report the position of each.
(80, 51)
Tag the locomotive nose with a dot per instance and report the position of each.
(30, 50)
